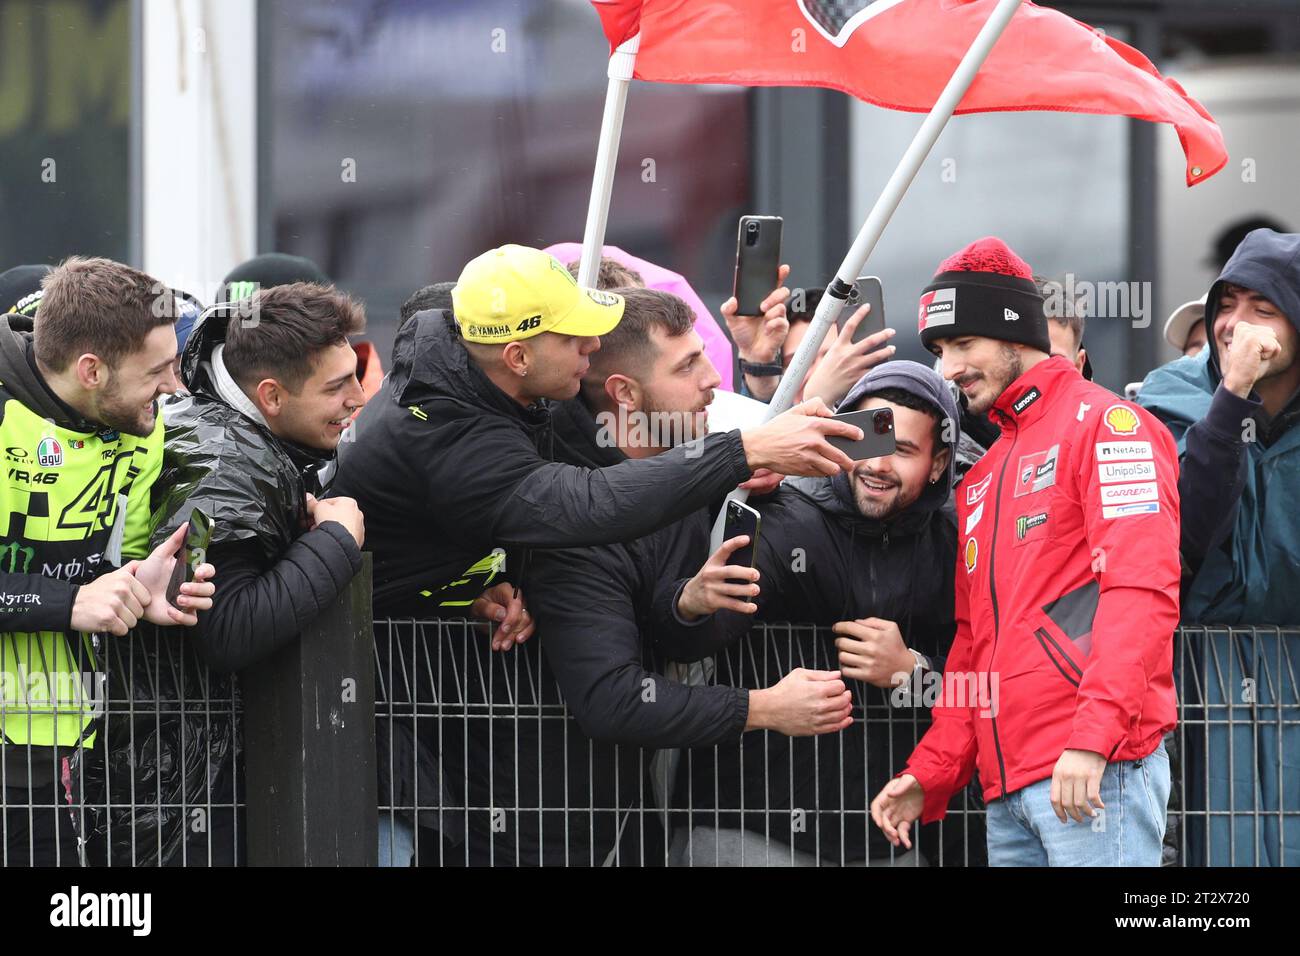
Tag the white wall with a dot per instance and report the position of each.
(200, 148)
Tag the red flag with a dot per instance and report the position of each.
(899, 54)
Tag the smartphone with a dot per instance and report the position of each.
(198, 536)
(758, 262)
(867, 290)
(742, 519)
(877, 426)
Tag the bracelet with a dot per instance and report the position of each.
(922, 661)
(761, 369)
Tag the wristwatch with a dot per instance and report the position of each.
(922, 662)
(762, 369)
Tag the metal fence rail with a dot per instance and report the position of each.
(498, 773)
(480, 750)
(160, 783)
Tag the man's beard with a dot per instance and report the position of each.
(879, 510)
(998, 378)
(128, 420)
(672, 428)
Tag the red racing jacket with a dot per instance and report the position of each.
(1067, 592)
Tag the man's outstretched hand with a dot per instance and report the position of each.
(155, 572)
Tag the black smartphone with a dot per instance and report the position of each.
(877, 426)
(742, 519)
(198, 536)
(867, 290)
(758, 262)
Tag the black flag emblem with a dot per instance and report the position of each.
(837, 19)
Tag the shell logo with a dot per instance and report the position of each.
(1121, 420)
(970, 553)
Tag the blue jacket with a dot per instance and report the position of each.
(1240, 470)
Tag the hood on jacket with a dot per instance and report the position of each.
(1266, 262)
(208, 331)
(835, 493)
(24, 383)
(430, 362)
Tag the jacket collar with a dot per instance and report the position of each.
(1026, 399)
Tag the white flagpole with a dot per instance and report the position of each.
(828, 309)
(621, 64)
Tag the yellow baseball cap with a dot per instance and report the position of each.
(514, 293)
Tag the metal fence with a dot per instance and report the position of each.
(480, 763)
(480, 749)
(159, 780)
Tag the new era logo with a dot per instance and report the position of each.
(1009, 315)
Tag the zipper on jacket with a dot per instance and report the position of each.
(993, 593)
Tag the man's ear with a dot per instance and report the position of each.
(270, 397)
(624, 391)
(939, 464)
(516, 358)
(1081, 360)
(92, 372)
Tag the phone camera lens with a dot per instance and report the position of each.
(884, 422)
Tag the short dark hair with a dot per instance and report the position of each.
(289, 325)
(627, 349)
(612, 275)
(98, 306)
(1071, 313)
(897, 396)
(436, 296)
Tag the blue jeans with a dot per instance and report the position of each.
(396, 840)
(1023, 829)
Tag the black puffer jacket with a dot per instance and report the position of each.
(447, 468)
(822, 562)
(273, 575)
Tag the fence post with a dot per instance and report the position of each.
(309, 741)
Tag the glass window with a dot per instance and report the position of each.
(472, 125)
(65, 110)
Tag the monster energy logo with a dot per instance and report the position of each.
(241, 290)
(1026, 523)
(13, 550)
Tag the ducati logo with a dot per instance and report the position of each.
(837, 19)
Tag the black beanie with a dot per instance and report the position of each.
(266, 272)
(20, 288)
(986, 290)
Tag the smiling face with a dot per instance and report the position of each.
(127, 402)
(318, 413)
(1237, 305)
(981, 367)
(884, 487)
